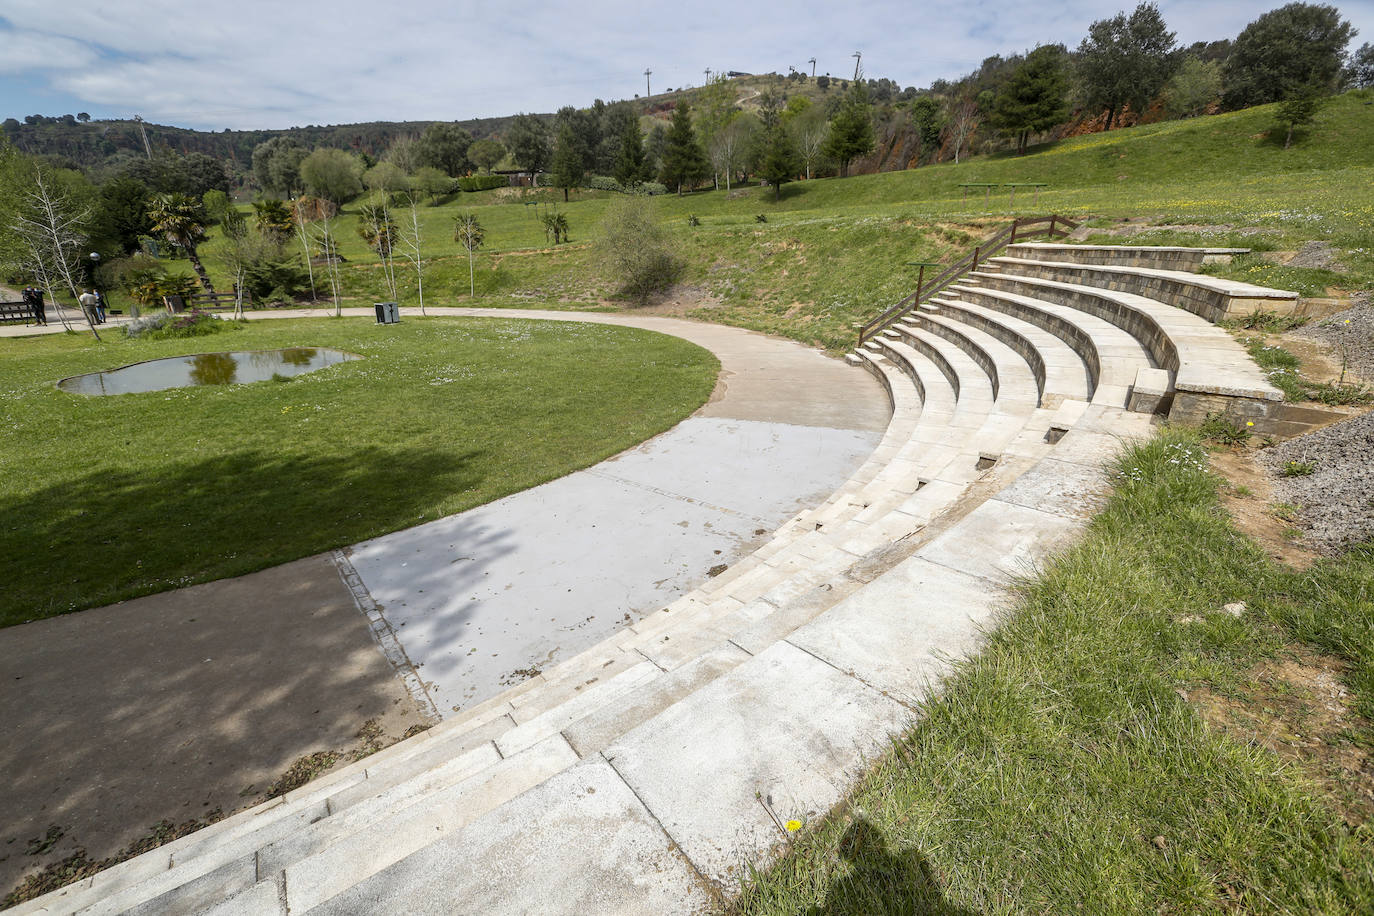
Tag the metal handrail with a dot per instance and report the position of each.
(1055, 226)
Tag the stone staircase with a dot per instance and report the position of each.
(647, 773)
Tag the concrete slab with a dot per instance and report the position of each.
(1000, 541)
(902, 630)
(784, 730)
(609, 544)
(580, 843)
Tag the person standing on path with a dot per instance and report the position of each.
(90, 305)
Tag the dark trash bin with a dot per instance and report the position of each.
(387, 312)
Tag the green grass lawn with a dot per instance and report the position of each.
(105, 498)
(1065, 768)
(836, 252)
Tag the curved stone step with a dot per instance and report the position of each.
(1113, 355)
(1211, 297)
(1204, 360)
(1060, 371)
(1159, 257)
(763, 742)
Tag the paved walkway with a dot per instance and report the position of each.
(537, 577)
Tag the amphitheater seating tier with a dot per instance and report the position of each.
(646, 774)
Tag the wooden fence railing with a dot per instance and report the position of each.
(1053, 226)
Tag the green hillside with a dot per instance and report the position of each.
(834, 252)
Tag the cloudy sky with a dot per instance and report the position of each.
(277, 63)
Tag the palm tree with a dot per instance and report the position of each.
(181, 221)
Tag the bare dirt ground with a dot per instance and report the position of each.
(1297, 707)
(130, 725)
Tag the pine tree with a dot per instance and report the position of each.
(1034, 98)
(780, 161)
(684, 163)
(629, 165)
(568, 170)
(851, 130)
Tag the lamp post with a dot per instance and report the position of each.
(95, 285)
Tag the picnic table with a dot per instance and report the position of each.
(987, 187)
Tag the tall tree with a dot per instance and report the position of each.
(277, 166)
(629, 164)
(1033, 99)
(122, 215)
(486, 153)
(961, 121)
(731, 146)
(1361, 72)
(50, 224)
(851, 129)
(929, 120)
(1125, 60)
(684, 163)
(1284, 52)
(405, 154)
(445, 146)
(811, 130)
(1195, 85)
(568, 162)
(528, 142)
(468, 232)
(779, 162)
(333, 175)
(181, 221)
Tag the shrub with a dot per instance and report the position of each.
(604, 183)
(483, 182)
(651, 188)
(692, 220)
(165, 326)
(1217, 428)
(634, 250)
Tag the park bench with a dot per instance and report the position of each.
(18, 311)
(207, 301)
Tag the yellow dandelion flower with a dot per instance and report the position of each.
(793, 825)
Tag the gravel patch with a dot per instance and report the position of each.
(1320, 255)
(1337, 498)
(1350, 333)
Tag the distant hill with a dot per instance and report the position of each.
(92, 144)
(95, 144)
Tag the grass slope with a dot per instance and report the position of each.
(105, 498)
(835, 252)
(1064, 769)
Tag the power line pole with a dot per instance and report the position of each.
(647, 71)
(858, 56)
(707, 71)
(812, 62)
(144, 131)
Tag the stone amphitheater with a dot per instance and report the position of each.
(648, 773)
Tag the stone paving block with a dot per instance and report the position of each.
(900, 632)
(594, 732)
(1001, 541)
(580, 843)
(352, 859)
(1077, 491)
(551, 721)
(784, 728)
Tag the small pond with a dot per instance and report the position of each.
(206, 369)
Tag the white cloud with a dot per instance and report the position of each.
(268, 63)
(27, 51)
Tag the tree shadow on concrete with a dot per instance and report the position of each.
(883, 880)
(106, 536)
